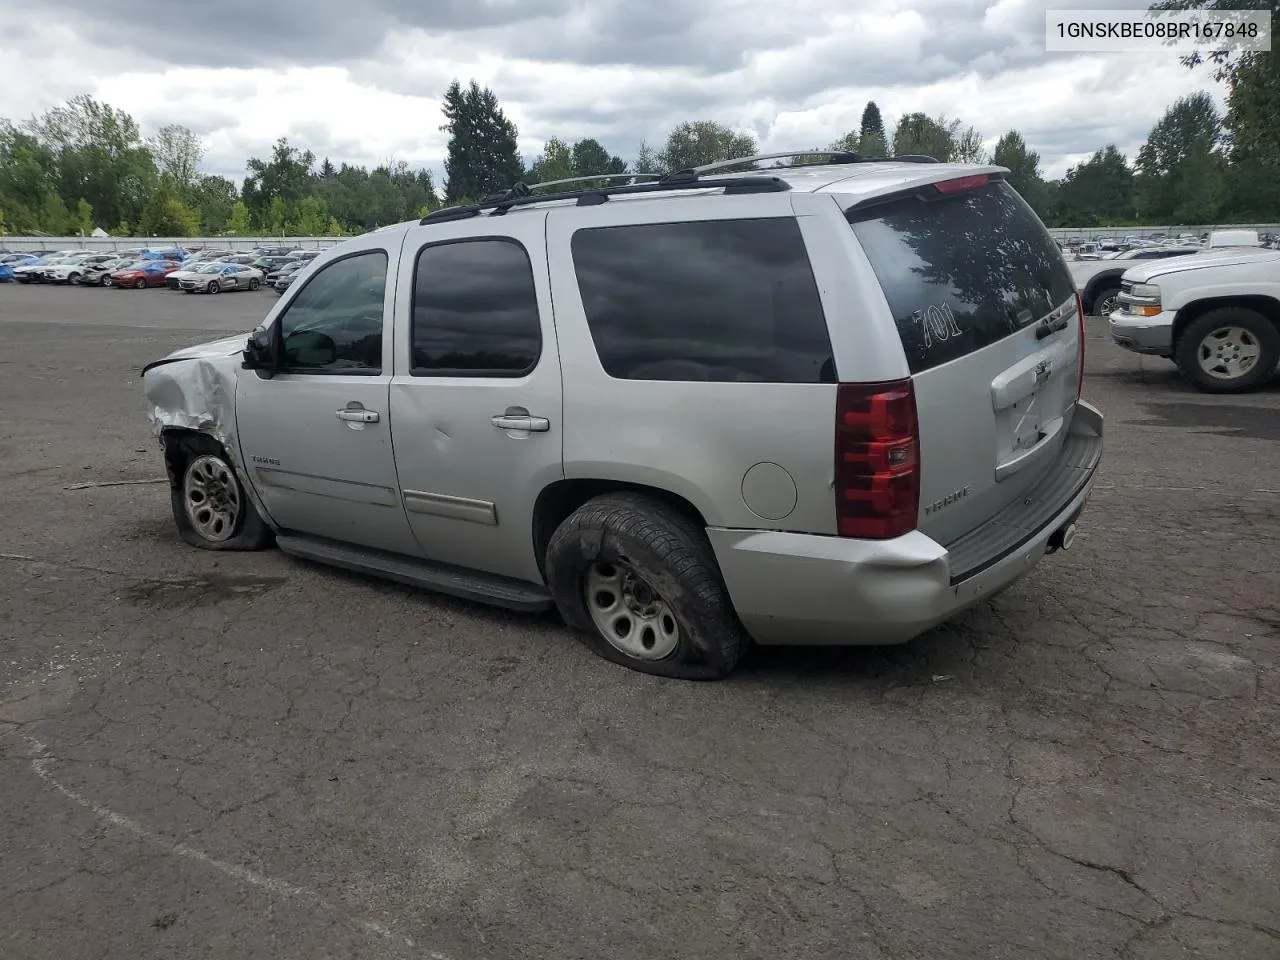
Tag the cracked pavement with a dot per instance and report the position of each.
(248, 756)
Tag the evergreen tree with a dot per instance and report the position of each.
(482, 157)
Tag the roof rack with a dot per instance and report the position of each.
(521, 194)
(833, 156)
(593, 179)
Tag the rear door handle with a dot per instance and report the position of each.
(358, 415)
(508, 421)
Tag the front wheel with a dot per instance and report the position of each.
(1105, 302)
(140, 284)
(638, 580)
(210, 507)
(1228, 350)
(213, 286)
(73, 278)
(253, 283)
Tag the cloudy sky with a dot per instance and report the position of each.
(361, 81)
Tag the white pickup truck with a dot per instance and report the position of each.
(1217, 315)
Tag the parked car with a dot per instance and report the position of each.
(1099, 280)
(269, 263)
(6, 274)
(284, 282)
(569, 408)
(143, 273)
(290, 268)
(99, 274)
(1216, 315)
(216, 277)
(34, 272)
(305, 256)
(72, 269)
(189, 268)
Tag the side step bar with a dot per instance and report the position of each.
(466, 584)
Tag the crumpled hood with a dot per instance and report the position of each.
(1224, 257)
(226, 347)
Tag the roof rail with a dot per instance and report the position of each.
(833, 156)
(520, 194)
(910, 158)
(593, 179)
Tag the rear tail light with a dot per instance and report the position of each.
(877, 475)
(1083, 331)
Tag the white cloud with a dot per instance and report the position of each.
(797, 74)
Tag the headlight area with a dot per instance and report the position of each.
(1140, 299)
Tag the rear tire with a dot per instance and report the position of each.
(210, 507)
(638, 581)
(1228, 350)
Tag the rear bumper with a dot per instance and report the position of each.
(1147, 335)
(794, 588)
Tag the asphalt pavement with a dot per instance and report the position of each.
(247, 756)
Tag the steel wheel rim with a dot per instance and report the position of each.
(629, 613)
(1228, 353)
(211, 498)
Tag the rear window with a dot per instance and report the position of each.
(962, 272)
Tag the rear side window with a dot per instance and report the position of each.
(475, 311)
(963, 271)
(711, 300)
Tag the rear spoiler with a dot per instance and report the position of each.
(933, 188)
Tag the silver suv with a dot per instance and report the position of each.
(832, 403)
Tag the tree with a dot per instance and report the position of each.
(98, 153)
(178, 153)
(165, 215)
(1253, 83)
(238, 220)
(213, 197)
(872, 123)
(917, 133)
(482, 156)
(968, 146)
(704, 141)
(1191, 126)
(554, 163)
(648, 160)
(1098, 191)
(1024, 170)
(312, 217)
(591, 159)
(84, 217)
(285, 177)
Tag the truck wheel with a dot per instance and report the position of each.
(1228, 350)
(637, 579)
(1104, 301)
(210, 507)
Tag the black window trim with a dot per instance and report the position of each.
(279, 321)
(444, 373)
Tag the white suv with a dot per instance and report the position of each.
(835, 403)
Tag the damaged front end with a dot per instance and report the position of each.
(194, 389)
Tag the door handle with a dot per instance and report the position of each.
(508, 421)
(358, 415)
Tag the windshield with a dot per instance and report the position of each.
(212, 268)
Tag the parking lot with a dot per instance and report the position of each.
(243, 755)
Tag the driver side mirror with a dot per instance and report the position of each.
(260, 353)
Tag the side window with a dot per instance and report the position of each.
(334, 324)
(475, 311)
(714, 300)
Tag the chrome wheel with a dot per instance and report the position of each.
(1228, 353)
(1109, 304)
(629, 613)
(211, 497)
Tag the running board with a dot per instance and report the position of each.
(455, 581)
